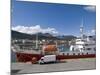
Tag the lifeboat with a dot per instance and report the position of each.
(50, 48)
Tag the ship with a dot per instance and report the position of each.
(83, 47)
(84, 42)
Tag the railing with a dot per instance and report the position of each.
(77, 53)
(16, 48)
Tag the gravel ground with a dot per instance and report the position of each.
(64, 65)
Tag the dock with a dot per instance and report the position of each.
(65, 65)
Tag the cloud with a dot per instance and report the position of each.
(90, 8)
(93, 31)
(34, 29)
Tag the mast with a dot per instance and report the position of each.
(81, 29)
(36, 40)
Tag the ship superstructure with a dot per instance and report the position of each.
(84, 42)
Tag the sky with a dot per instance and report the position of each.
(57, 19)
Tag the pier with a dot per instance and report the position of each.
(64, 65)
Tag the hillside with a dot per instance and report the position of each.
(19, 35)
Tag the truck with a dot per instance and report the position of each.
(47, 59)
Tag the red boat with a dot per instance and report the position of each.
(33, 55)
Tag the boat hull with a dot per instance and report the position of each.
(24, 57)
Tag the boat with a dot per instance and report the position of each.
(84, 43)
(83, 47)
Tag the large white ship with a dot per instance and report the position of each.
(84, 42)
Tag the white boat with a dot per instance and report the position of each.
(84, 42)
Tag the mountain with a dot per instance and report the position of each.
(48, 36)
(66, 37)
(19, 35)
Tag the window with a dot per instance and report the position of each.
(73, 53)
(94, 48)
(86, 44)
(67, 53)
(63, 54)
(88, 48)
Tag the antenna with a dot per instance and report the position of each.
(81, 23)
